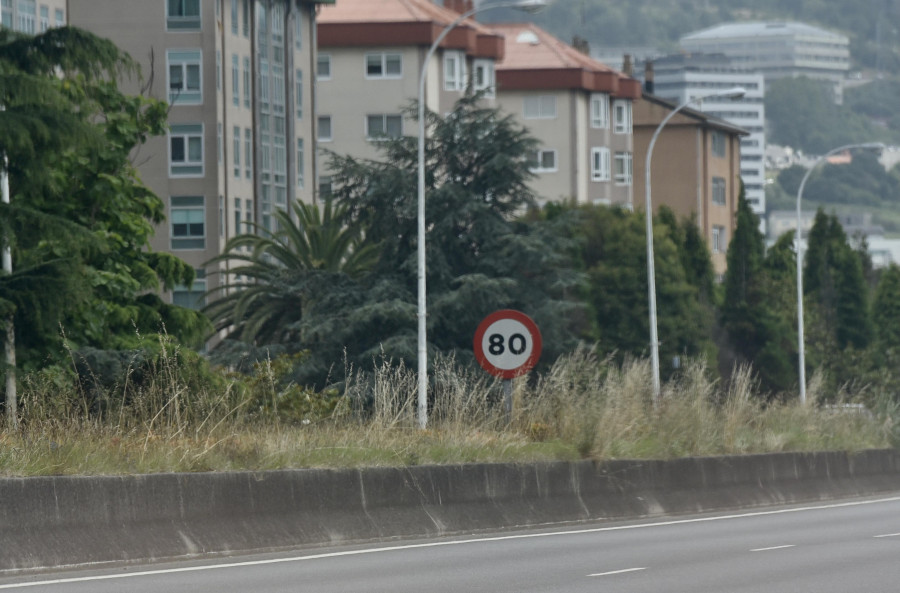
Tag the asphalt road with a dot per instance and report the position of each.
(841, 547)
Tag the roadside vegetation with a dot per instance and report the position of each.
(176, 415)
(318, 311)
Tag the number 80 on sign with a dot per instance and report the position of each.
(507, 343)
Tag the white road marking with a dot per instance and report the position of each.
(612, 572)
(888, 535)
(444, 543)
(773, 548)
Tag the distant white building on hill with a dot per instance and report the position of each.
(779, 50)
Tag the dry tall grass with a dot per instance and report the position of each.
(583, 407)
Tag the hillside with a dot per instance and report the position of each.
(872, 25)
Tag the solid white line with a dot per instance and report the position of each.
(612, 572)
(773, 548)
(888, 535)
(447, 543)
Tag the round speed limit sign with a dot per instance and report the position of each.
(507, 343)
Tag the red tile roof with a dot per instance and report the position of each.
(396, 23)
(535, 59)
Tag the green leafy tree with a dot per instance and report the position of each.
(80, 220)
(611, 249)
(886, 310)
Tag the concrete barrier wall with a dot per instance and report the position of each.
(59, 521)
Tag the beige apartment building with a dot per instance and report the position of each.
(238, 75)
(696, 169)
(371, 55)
(32, 16)
(578, 108)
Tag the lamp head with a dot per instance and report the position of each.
(529, 6)
(734, 93)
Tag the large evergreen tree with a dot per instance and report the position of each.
(756, 326)
(480, 256)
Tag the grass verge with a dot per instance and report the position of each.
(583, 407)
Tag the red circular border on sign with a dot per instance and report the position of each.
(532, 328)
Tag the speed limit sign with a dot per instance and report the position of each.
(507, 343)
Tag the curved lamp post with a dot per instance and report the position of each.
(528, 6)
(800, 347)
(733, 93)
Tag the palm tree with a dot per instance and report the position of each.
(281, 274)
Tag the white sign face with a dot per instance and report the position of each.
(507, 344)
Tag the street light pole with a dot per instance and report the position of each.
(801, 353)
(9, 340)
(528, 6)
(732, 93)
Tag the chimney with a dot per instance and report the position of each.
(648, 76)
(582, 45)
(459, 6)
(627, 65)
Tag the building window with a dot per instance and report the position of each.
(542, 161)
(221, 216)
(27, 15)
(6, 13)
(484, 77)
(183, 15)
(622, 115)
(325, 133)
(454, 71)
(237, 216)
(234, 17)
(188, 222)
(718, 191)
(384, 65)
(623, 168)
(184, 77)
(301, 167)
(247, 89)
(236, 149)
(235, 80)
(45, 18)
(718, 239)
(540, 107)
(218, 70)
(381, 127)
(600, 169)
(325, 186)
(248, 153)
(245, 10)
(298, 29)
(298, 99)
(191, 297)
(59, 16)
(600, 111)
(186, 150)
(323, 67)
(718, 144)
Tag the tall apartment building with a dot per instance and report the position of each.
(32, 16)
(578, 108)
(778, 50)
(370, 57)
(682, 76)
(238, 76)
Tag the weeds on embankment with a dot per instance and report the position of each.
(583, 407)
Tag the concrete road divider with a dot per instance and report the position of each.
(64, 521)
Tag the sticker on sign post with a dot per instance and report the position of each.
(507, 343)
